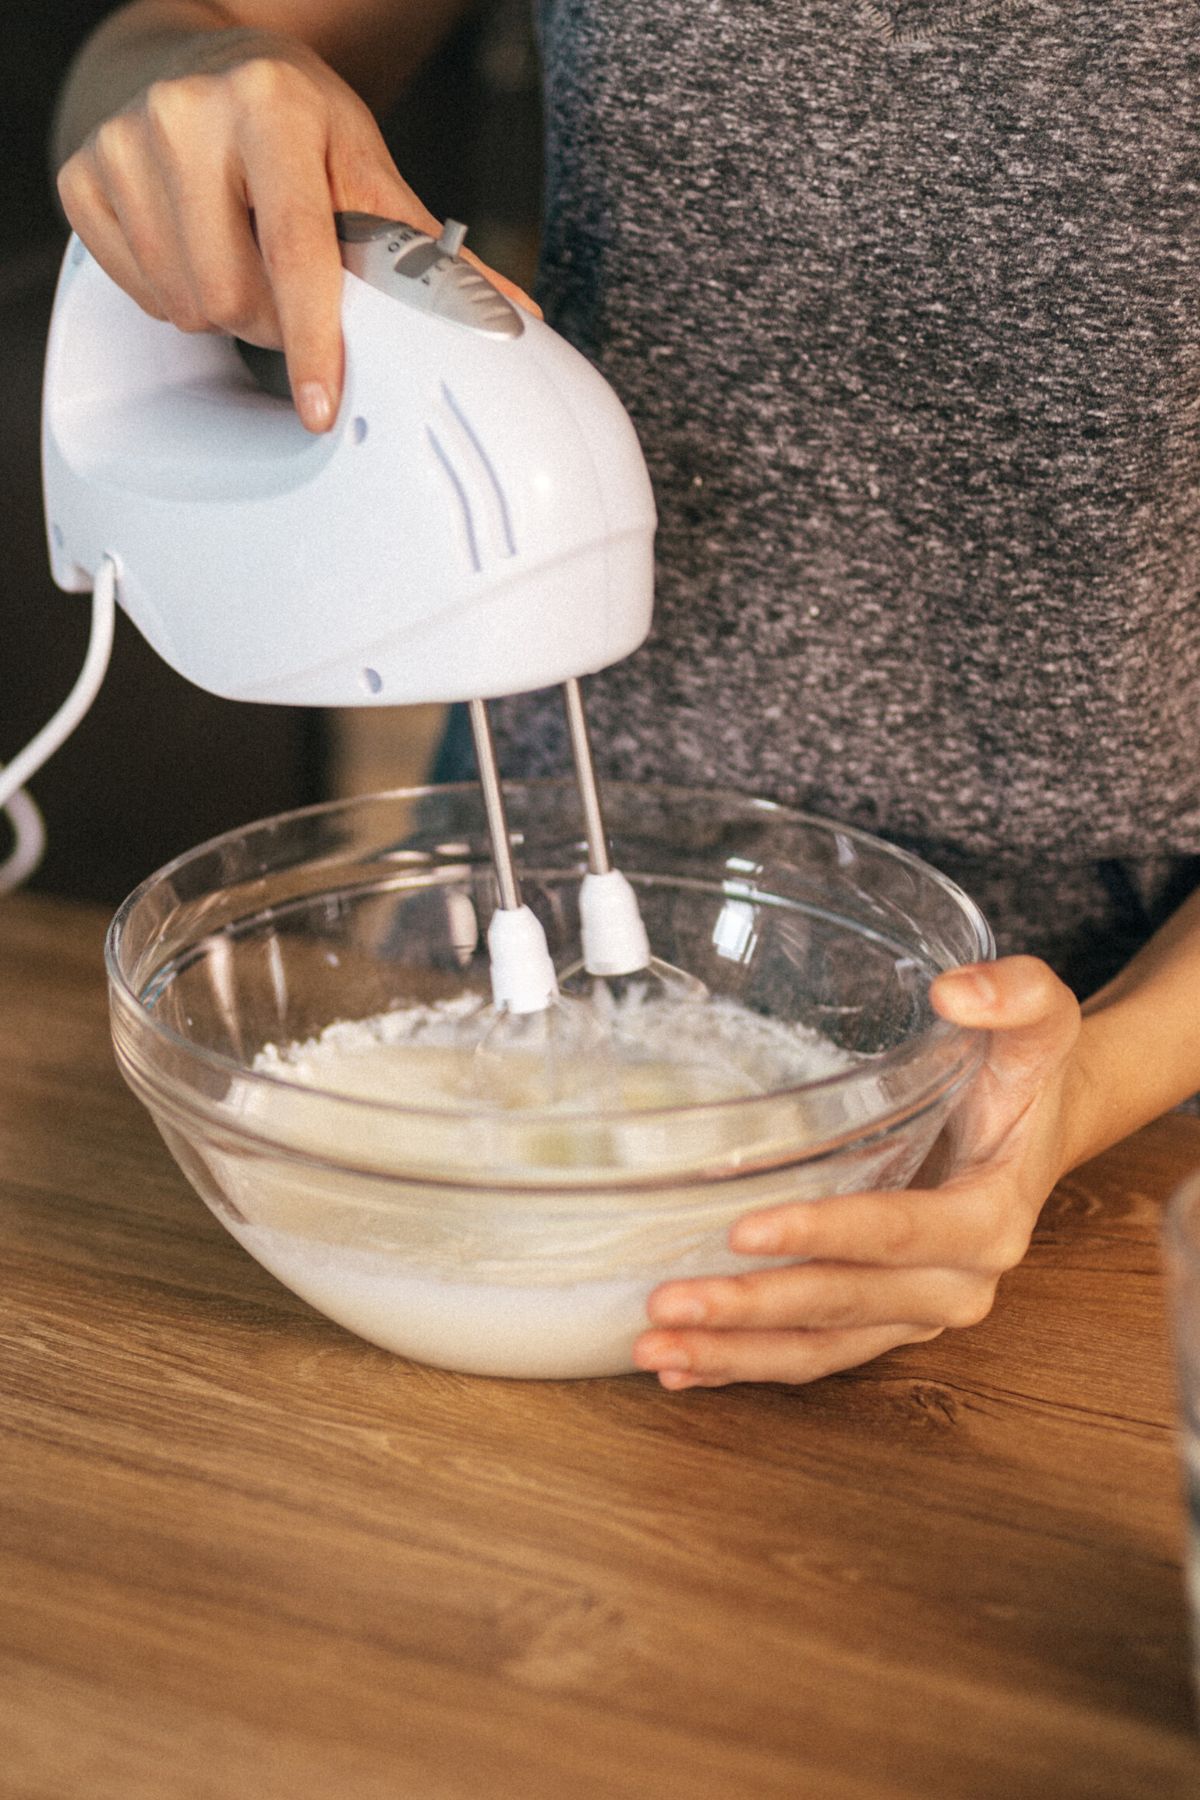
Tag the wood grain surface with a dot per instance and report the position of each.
(243, 1553)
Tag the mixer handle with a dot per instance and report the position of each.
(409, 265)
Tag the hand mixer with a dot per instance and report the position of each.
(478, 522)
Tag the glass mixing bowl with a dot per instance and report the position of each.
(512, 1243)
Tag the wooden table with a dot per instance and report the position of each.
(244, 1554)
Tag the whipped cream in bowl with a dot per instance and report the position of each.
(299, 1004)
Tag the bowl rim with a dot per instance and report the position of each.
(970, 1040)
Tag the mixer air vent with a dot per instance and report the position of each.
(478, 494)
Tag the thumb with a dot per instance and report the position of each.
(1032, 1020)
(1032, 1016)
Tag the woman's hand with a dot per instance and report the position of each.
(897, 1268)
(244, 121)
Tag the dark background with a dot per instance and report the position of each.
(158, 765)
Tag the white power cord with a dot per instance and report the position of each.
(29, 846)
(23, 814)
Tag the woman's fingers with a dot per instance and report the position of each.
(133, 195)
(163, 192)
(970, 1224)
(504, 285)
(714, 1359)
(824, 1296)
(94, 220)
(1033, 1022)
(1016, 993)
(298, 243)
(211, 224)
(162, 195)
(881, 1269)
(1033, 1017)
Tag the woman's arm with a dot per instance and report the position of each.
(885, 1269)
(374, 45)
(181, 118)
(1139, 1050)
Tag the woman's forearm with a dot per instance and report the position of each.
(375, 45)
(1139, 1051)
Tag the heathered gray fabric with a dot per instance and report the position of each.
(905, 303)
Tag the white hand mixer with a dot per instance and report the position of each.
(478, 522)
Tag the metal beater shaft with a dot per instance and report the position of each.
(493, 803)
(585, 775)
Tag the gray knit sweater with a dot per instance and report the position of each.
(904, 300)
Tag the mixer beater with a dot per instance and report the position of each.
(568, 1035)
(478, 522)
